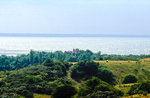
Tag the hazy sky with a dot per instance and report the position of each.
(75, 16)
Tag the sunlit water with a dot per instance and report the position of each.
(107, 45)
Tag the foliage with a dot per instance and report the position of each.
(94, 85)
(87, 69)
(106, 75)
(35, 79)
(36, 57)
(64, 91)
(42, 72)
(140, 88)
(129, 79)
(48, 62)
(101, 94)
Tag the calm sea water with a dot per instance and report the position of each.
(107, 45)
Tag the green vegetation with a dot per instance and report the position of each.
(35, 57)
(120, 69)
(64, 91)
(140, 88)
(129, 79)
(87, 69)
(8, 63)
(75, 73)
(35, 79)
(95, 85)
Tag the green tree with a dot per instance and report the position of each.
(48, 62)
(31, 56)
(85, 70)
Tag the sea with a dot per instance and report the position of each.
(13, 46)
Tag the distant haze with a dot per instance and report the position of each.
(109, 17)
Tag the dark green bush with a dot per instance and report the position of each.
(106, 75)
(64, 91)
(48, 62)
(140, 88)
(129, 79)
(94, 85)
(2, 83)
(87, 69)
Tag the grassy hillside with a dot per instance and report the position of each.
(140, 68)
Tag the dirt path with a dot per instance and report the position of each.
(69, 77)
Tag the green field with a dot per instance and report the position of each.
(140, 68)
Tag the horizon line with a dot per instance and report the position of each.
(66, 35)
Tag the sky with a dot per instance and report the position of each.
(123, 17)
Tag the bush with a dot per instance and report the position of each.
(140, 88)
(94, 85)
(106, 75)
(64, 91)
(2, 83)
(87, 69)
(129, 79)
(48, 62)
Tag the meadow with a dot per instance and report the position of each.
(139, 68)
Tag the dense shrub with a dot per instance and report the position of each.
(129, 79)
(87, 69)
(106, 75)
(48, 62)
(140, 88)
(94, 85)
(64, 91)
(35, 79)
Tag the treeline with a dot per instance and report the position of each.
(36, 57)
(123, 57)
